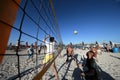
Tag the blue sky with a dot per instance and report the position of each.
(95, 20)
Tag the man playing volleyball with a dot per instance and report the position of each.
(50, 53)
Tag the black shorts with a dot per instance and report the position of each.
(69, 55)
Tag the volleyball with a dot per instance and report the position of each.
(75, 32)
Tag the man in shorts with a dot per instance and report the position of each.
(30, 52)
(51, 48)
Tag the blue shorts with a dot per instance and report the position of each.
(30, 55)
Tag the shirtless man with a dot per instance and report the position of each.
(69, 52)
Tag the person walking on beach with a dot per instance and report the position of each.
(30, 52)
(50, 54)
(69, 52)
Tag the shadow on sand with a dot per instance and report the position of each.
(75, 56)
(77, 71)
(101, 74)
(61, 68)
(104, 75)
(69, 63)
(115, 57)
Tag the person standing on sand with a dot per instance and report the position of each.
(98, 49)
(39, 48)
(69, 52)
(30, 52)
(50, 54)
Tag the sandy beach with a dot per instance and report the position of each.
(108, 63)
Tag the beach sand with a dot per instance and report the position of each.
(108, 63)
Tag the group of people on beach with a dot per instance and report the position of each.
(92, 69)
(50, 51)
(89, 74)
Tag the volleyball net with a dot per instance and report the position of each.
(24, 23)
